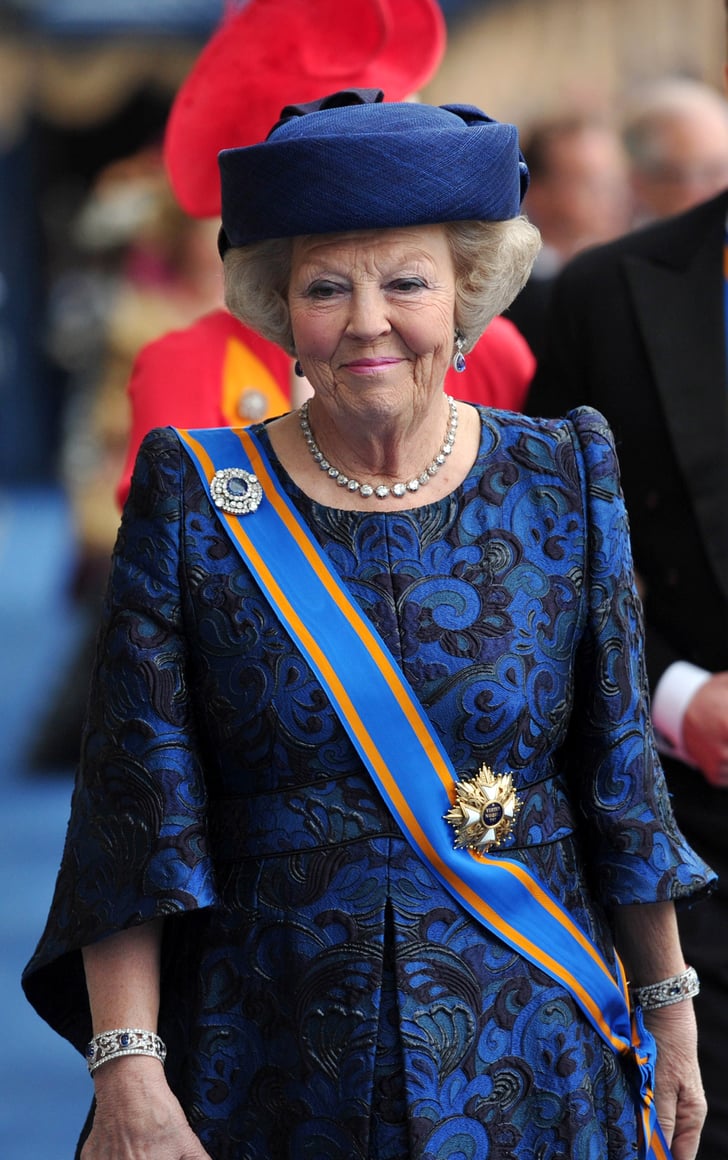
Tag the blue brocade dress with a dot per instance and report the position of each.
(323, 997)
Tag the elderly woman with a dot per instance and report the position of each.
(369, 793)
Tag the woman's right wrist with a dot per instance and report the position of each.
(106, 1047)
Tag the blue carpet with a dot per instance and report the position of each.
(45, 1086)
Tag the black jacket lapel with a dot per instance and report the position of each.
(677, 292)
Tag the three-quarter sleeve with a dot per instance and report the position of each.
(634, 846)
(136, 846)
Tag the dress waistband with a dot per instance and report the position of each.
(346, 808)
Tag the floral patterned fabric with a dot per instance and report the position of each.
(324, 998)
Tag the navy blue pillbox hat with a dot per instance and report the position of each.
(352, 161)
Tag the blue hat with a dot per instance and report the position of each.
(354, 162)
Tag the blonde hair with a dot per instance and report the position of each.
(256, 288)
(492, 263)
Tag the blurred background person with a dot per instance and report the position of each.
(578, 197)
(675, 133)
(162, 274)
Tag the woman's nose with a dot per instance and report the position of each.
(368, 315)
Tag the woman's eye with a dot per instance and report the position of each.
(407, 285)
(324, 290)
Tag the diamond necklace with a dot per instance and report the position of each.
(382, 490)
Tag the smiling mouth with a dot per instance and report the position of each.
(371, 363)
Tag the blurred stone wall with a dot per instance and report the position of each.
(520, 59)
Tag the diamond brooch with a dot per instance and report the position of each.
(236, 491)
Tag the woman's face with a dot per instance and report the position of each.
(372, 314)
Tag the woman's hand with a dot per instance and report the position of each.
(648, 941)
(679, 1096)
(137, 1117)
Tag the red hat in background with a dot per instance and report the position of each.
(272, 53)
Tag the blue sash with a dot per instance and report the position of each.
(395, 740)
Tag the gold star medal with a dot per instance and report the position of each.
(484, 811)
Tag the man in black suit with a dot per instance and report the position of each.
(637, 329)
(578, 196)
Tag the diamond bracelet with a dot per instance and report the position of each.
(123, 1041)
(686, 985)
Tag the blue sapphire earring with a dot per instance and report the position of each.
(458, 359)
(298, 369)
